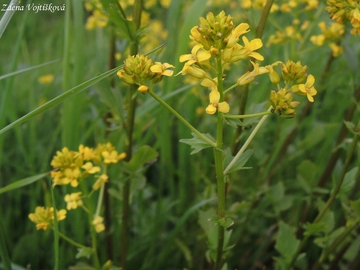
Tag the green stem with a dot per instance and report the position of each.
(182, 119)
(56, 230)
(4, 254)
(248, 141)
(92, 229)
(72, 242)
(218, 157)
(332, 196)
(130, 123)
(243, 116)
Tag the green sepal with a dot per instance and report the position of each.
(197, 143)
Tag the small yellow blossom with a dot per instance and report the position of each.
(161, 69)
(90, 168)
(101, 180)
(214, 105)
(73, 200)
(98, 224)
(43, 217)
(71, 176)
(198, 56)
(249, 76)
(112, 157)
(96, 20)
(46, 79)
(306, 89)
(336, 49)
(86, 153)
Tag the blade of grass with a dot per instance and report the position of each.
(7, 16)
(73, 91)
(27, 69)
(23, 182)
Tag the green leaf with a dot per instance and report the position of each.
(197, 143)
(355, 206)
(314, 229)
(306, 175)
(23, 182)
(328, 218)
(349, 181)
(84, 252)
(286, 242)
(352, 128)
(239, 164)
(142, 156)
(234, 122)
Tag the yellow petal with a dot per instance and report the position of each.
(214, 97)
(310, 80)
(210, 109)
(223, 107)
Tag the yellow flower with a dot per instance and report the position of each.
(101, 180)
(46, 79)
(86, 153)
(336, 49)
(214, 105)
(73, 200)
(241, 29)
(96, 20)
(71, 176)
(198, 56)
(43, 217)
(249, 76)
(112, 157)
(98, 224)
(90, 168)
(160, 70)
(252, 46)
(318, 40)
(306, 89)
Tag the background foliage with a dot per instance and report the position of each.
(296, 162)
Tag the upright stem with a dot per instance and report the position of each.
(218, 156)
(138, 5)
(90, 213)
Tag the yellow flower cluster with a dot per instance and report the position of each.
(216, 39)
(343, 10)
(285, 6)
(333, 33)
(296, 81)
(44, 217)
(74, 166)
(141, 70)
